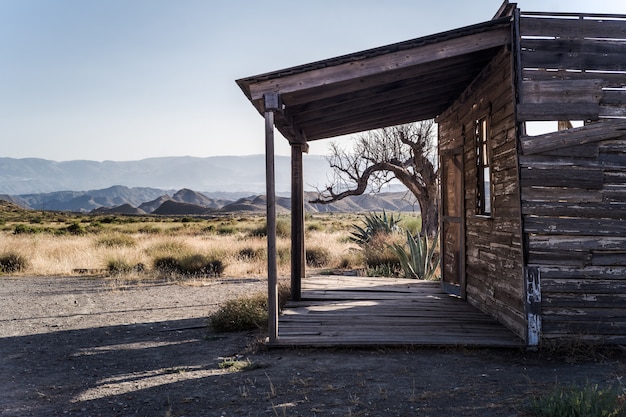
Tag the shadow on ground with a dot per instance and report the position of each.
(119, 370)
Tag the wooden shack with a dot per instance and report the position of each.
(533, 225)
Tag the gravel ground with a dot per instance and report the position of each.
(76, 346)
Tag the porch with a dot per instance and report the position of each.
(357, 311)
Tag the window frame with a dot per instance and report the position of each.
(483, 163)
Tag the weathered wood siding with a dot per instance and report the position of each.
(573, 186)
(572, 67)
(494, 274)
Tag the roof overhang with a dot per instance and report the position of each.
(394, 84)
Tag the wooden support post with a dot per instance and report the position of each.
(271, 104)
(298, 260)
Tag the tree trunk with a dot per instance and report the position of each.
(430, 211)
(427, 198)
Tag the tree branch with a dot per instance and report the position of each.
(361, 183)
(402, 152)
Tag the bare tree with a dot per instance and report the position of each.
(406, 153)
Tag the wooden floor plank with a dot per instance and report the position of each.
(349, 311)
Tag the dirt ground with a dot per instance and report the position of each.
(72, 346)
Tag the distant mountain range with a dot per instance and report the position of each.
(173, 185)
(124, 200)
(168, 186)
(213, 174)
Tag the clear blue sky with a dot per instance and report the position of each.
(133, 79)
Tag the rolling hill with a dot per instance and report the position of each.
(124, 200)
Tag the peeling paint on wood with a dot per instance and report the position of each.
(533, 305)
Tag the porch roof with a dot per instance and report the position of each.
(386, 86)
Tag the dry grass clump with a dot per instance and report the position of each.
(189, 265)
(113, 240)
(168, 246)
(317, 256)
(283, 229)
(250, 253)
(332, 250)
(186, 257)
(378, 252)
(246, 313)
(121, 266)
(590, 400)
(12, 262)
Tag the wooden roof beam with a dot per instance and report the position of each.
(380, 101)
(371, 120)
(359, 85)
(380, 64)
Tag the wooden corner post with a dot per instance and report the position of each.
(271, 104)
(297, 220)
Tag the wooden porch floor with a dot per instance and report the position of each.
(351, 311)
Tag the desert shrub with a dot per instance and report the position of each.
(76, 229)
(201, 265)
(420, 260)
(226, 229)
(379, 251)
(118, 266)
(260, 231)
(375, 225)
(12, 262)
(283, 229)
(94, 227)
(588, 401)
(317, 257)
(24, 229)
(166, 264)
(376, 237)
(250, 253)
(189, 265)
(351, 259)
(245, 313)
(313, 227)
(345, 262)
(149, 230)
(116, 240)
(283, 255)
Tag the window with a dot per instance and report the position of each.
(534, 128)
(483, 168)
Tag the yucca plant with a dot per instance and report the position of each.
(374, 224)
(421, 260)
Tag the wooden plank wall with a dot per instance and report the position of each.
(573, 186)
(494, 259)
(573, 67)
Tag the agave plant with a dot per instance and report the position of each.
(374, 224)
(420, 261)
